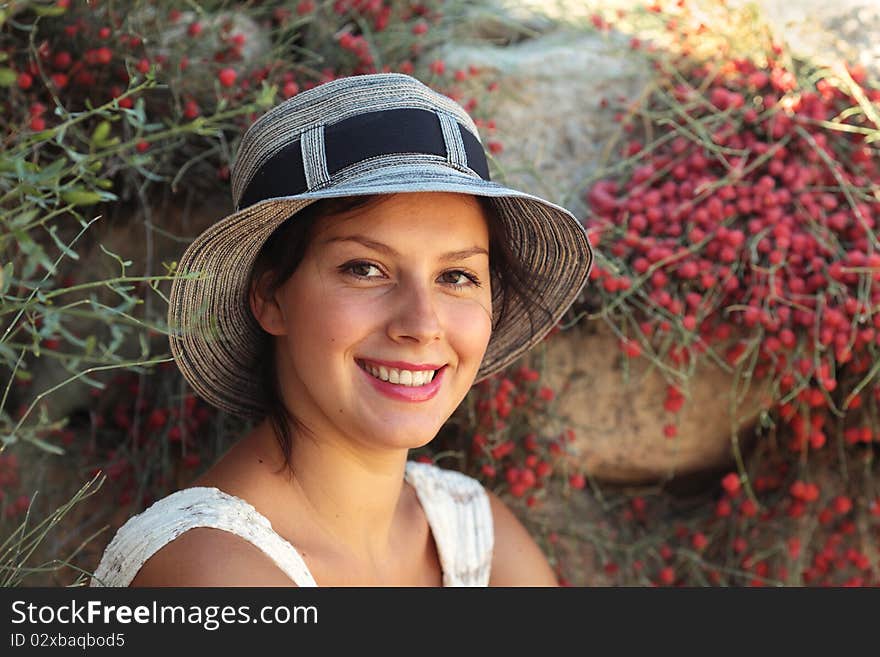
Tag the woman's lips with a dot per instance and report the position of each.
(407, 393)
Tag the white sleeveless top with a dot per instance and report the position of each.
(456, 506)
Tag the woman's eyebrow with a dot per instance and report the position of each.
(384, 248)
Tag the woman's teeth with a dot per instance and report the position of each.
(400, 377)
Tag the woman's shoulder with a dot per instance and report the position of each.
(208, 557)
(197, 536)
(517, 560)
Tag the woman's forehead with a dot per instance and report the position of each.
(436, 216)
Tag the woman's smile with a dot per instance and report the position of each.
(404, 385)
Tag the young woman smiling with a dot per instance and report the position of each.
(371, 274)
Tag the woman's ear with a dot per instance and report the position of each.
(264, 306)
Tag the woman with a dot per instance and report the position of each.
(371, 274)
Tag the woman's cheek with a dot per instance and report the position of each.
(469, 330)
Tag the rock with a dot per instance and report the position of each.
(618, 416)
(827, 32)
(547, 110)
(503, 22)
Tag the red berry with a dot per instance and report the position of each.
(51, 344)
(290, 89)
(723, 509)
(577, 481)
(25, 80)
(62, 60)
(631, 348)
(157, 419)
(142, 146)
(502, 450)
(842, 504)
(194, 29)
(191, 109)
(38, 124)
(731, 483)
(227, 77)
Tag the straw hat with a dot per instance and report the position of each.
(368, 134)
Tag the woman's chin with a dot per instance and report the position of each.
(406, 437)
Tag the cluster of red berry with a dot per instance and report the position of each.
(739, 225)
(753, 235)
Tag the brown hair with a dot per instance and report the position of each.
(285, 249)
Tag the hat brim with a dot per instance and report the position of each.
(214, 336)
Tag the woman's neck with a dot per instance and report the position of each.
(355, 499)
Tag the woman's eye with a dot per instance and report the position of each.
(360, 269)
(459, 279)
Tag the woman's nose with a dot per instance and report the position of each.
(415, 315)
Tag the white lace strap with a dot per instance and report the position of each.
(146, 533)
(457, 508)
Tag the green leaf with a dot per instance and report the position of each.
(7, 77)
(66, 250)
(5, 277)
(23, 218)
(34, 252)
(48, 174)
(81, 197)
(100, 134)
(49, 10)
(267, 95)
(49, 447)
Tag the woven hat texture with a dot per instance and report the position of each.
(369, 134)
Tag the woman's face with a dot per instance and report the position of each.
(392, 291)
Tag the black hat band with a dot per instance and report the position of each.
(352, 140)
